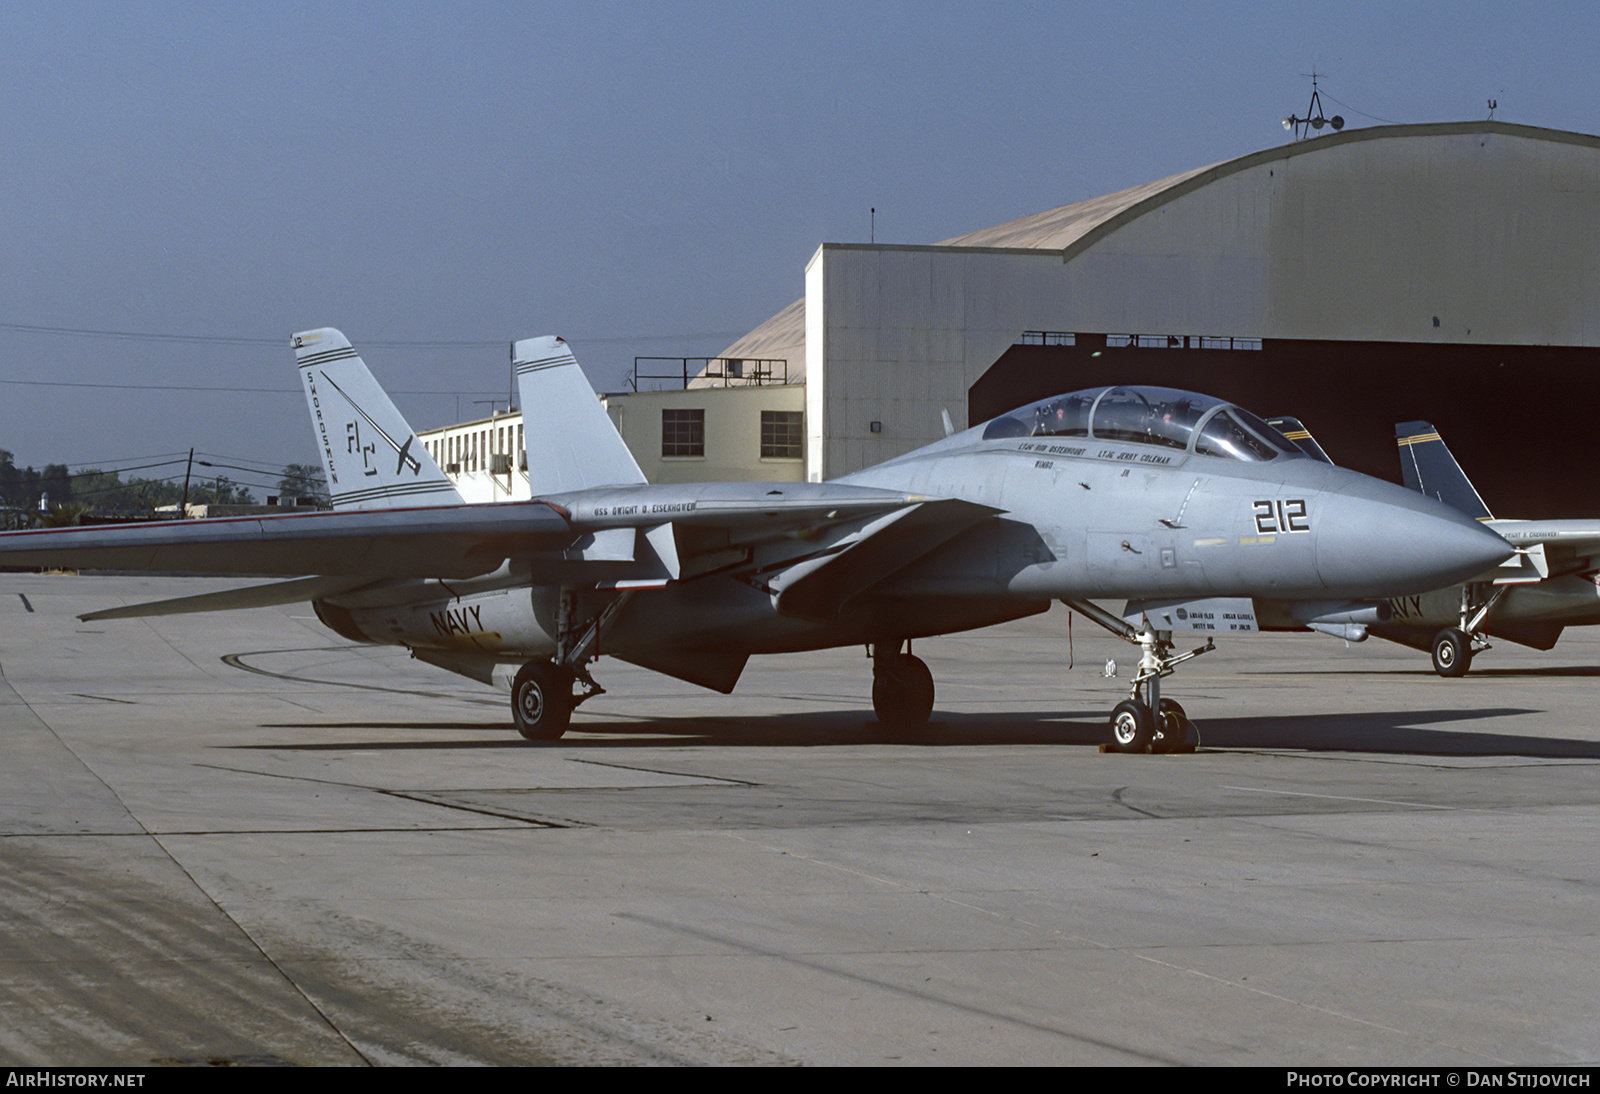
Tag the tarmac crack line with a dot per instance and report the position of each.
(405, 795)
(1095, 944)
(897, 989)
(1345, 1015)
(1335, 797)
(726, 779)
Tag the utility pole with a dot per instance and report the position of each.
(183, 506)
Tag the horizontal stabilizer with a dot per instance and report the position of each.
(297, 591)
(454, 541)
(1427, 467)
(372, 457)
(571, 444)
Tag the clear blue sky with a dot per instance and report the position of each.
(640, 178)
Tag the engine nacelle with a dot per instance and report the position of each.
(502, 624)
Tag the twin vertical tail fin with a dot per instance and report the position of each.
(1427, 467)
(374, 460)
(1299, 436)
(372, 457)
(571, 443)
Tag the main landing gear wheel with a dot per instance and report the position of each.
(1452, 652)
(902, 691)
(1174, 731)
(541, 701)
(1133, 727)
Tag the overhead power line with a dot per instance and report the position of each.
(203, 387)
(225, 340)
(383, 343)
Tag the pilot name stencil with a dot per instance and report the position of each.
(1111, 455)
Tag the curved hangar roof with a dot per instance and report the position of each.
(1457, 232)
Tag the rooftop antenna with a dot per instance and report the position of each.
(872, 236)
(511, 377)
(1494, 104)
(1314, 118)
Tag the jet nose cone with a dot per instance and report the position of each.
(1379, 540)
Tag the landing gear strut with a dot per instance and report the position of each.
(902, 687)
(1145, 722)
(544, 693)
(1453, 647)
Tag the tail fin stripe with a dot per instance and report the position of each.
(327, 355)
(524, 367)
(1428, 467)
(355, 496)
(348, 406)
(571, 443)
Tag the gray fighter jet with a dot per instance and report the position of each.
(1133, 492)
(1549, 586)
(1551, 583)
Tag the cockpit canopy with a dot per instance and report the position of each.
(1159, 416)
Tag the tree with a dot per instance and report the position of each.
(10, 480)
(105, 491)
(304, 480)
(219, 491)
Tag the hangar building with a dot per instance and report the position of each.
(1447, 272)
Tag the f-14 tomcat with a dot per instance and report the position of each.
(1552, 586)
(1164, 496)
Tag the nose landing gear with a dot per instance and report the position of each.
(1453, 647)
(1145, 722)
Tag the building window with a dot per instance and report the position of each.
(781, 434)
(683, 433)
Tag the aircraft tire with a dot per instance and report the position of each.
(902, 691)
(1133, 727)
(541, 701)
(1177, 732)
(1452, 653)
